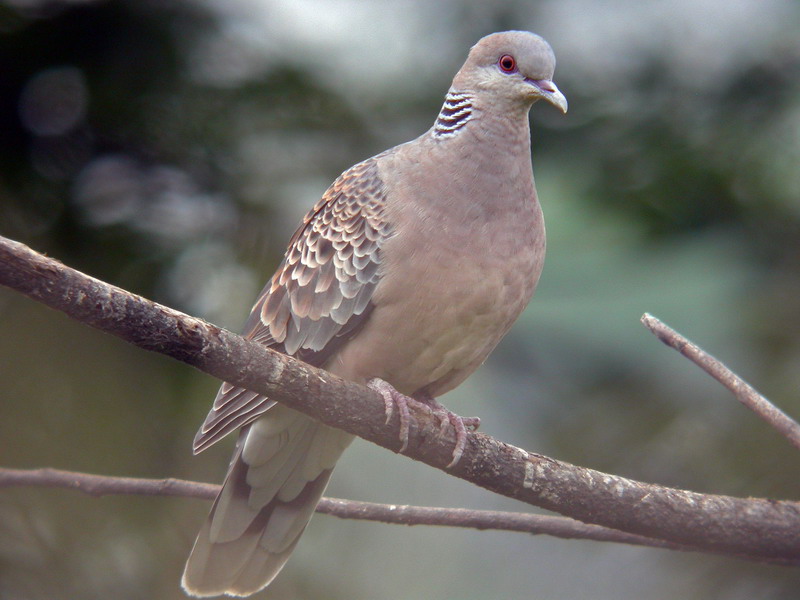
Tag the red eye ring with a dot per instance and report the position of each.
(507, 63)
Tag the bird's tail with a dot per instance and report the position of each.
(280, 468)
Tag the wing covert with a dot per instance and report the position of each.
(320, 294)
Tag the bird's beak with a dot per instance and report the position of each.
(549, 91)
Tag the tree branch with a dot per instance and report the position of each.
(744, 392)
(754, 528)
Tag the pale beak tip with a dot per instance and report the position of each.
(552, 94)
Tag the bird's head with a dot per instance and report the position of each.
(516, 66)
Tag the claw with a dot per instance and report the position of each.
(460, 424)
(392, 397)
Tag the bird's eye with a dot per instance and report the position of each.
(507, 63)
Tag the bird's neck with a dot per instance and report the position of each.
(462, 114)
(483, 157)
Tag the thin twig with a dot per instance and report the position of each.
(744, 392)
(562, 527)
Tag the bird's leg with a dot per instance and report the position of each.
(392, 398)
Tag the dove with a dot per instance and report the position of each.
(403, 277)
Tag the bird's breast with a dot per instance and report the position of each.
(450, 289)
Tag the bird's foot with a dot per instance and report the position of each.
(392, 398)
(459, 423)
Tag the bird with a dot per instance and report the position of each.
(403, 277)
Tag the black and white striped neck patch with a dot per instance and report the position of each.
(456, 112)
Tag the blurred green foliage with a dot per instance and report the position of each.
(170, 147)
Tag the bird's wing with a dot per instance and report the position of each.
(320, 295)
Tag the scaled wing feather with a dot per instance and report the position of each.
(320, 294)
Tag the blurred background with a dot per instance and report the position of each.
(172, 147)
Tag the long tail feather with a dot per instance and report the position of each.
(264, 505)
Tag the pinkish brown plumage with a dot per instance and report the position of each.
(405, 275)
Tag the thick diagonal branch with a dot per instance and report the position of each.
(765, 529)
